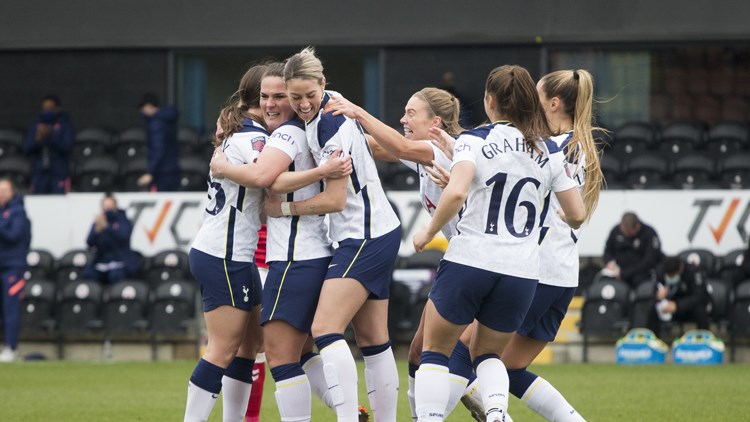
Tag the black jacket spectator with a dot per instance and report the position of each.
(15, 238)
(15, 233)
(636, 250)
(163, 164)
(113, 259)
(685, 288)
(49, 143)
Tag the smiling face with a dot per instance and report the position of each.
(418, 119)
(305, 96)
(274, 102)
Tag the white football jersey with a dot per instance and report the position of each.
(297, 238)
(232, 217)
(367, 214)
(498, 229)
(558, 252)
(429, 191)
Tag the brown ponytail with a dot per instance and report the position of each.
(247, 96)
(517, 100)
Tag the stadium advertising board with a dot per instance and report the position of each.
(714, 220)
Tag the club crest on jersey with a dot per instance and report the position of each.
(258, 143)
(330, 150)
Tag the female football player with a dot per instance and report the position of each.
(298, 252)
(427, 108)
(502, 171)
(222, 261)
(368, 234)
(567, 99)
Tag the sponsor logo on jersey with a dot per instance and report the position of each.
(284, 136)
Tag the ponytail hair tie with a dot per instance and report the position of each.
(575, 75)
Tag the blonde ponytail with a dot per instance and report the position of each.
(575, 89)
(583, 141)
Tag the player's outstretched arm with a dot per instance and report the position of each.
(450, 203)
(386, 136)
(333, 199)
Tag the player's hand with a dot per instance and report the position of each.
(218, 164)
(272, 205)
(340, 105)
(438, 174)
(337, 166)
(145, 180)
(443, 141)
(422, 238)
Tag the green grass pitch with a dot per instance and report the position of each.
(145, 391)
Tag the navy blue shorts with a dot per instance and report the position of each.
(223, 282)
(546, 312)
(369, 261)
(292, 290)
(498, 301)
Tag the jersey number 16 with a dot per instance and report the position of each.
(510, 207)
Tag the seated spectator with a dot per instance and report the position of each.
(15, 238)
(633, 251)
(110, 236)
(49, 143)
(681, 295)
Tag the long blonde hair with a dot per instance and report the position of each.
(575, 89)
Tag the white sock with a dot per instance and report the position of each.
(199, 404)
(234, 396)
(472, 399)
(293, 399)
(341, 377)
(457, 389)
(314, 370)
(432, 392)
(493, 385)
(410, 395)
(544, 399)
(381, 376)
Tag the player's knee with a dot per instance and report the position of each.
(322, 327)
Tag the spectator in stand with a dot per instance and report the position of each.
(161, 129)
(110, 237)
(15, 238)
(49, 143)
(633, 251)
(681, 295)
